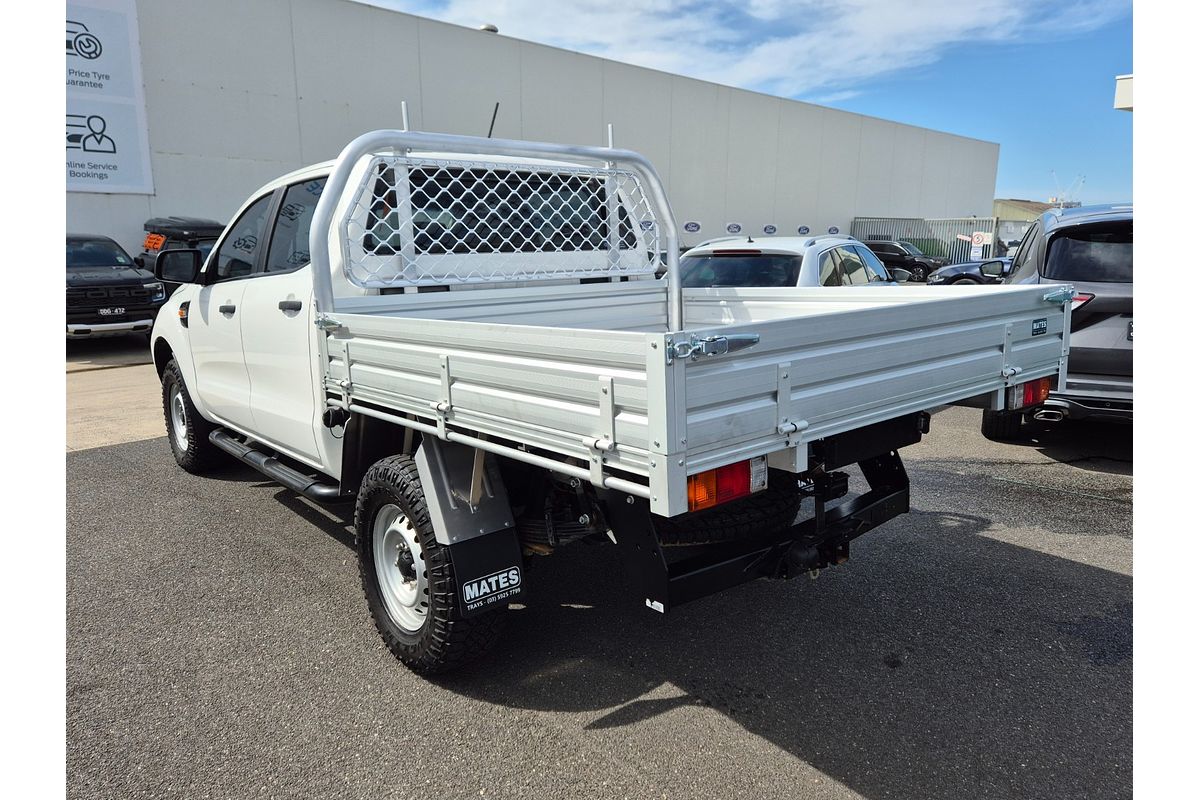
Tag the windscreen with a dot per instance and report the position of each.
(95, 253)
(911, 248)
(739, 270)
(1102, 253)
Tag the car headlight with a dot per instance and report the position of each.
(160, 292)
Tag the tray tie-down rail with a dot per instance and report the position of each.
(820, 541)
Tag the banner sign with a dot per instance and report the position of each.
(108, 148)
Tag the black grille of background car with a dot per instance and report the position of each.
(102, 296)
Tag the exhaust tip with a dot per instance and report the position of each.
(1049, 415)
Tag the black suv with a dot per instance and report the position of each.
(107, 293)
(1092, 249)
(176, 233)
(906, 255)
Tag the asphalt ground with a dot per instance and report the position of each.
(218, 646)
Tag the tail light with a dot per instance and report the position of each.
(1080, 300)
(1033, 393)
(730, 482)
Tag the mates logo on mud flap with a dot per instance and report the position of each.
(491, 589)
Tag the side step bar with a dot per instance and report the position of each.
(278, 471)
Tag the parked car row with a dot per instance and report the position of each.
(110, 293)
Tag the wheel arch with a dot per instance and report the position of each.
(161, 353)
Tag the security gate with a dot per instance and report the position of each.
(949, 238)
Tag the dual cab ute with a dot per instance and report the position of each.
(465, 338)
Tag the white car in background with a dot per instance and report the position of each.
(826, 260)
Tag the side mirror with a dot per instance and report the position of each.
(901, 275)
(141, 262)
(178, 266)
(993, 269)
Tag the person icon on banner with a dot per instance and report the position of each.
(97, 141)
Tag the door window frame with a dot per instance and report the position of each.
(832, 254)
(866, 270)
(210, 268)
(260, 268)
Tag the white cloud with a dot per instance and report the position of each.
(796, 48)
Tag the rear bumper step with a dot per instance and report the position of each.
(278, 471)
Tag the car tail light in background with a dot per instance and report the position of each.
(1033, 393)
(730, 482)
(1080, 299)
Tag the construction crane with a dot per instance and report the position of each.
(1063, 199)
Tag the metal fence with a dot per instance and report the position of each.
(954, 238)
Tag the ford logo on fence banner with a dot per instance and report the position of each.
(803, 229)
(691, 227)
(833, 228)
(769, 230)
(733, 227)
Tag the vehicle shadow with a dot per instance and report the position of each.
(939, 663)
(108, 351)
(1093, 446)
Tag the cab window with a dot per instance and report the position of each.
(240, 249)
(289, 240)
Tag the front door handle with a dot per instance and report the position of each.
(290, 305)
(227, 308)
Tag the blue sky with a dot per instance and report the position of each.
(1037, 77)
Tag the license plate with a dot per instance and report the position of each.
(112, 312)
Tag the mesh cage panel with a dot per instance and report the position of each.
(430, 222)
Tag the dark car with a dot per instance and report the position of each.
(968, 272)
(176, 233)
(107, 293)
(907, 256)
(1092, 249)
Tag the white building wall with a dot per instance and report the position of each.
(238, 93)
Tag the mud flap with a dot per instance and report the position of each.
(469, 511)
(488, 571)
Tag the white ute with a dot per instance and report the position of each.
(465, 338)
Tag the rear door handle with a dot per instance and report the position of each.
(227, 309)
(290, 305)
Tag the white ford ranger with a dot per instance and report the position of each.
(465, 338)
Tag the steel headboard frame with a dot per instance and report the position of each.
(382, 250)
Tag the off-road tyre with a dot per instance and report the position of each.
(772, 509)
(445, 641)
(1001, 426)
(191, 448)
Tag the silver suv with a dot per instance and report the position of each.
(1092, 249)
(785, 261)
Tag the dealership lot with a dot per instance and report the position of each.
(980, 646)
